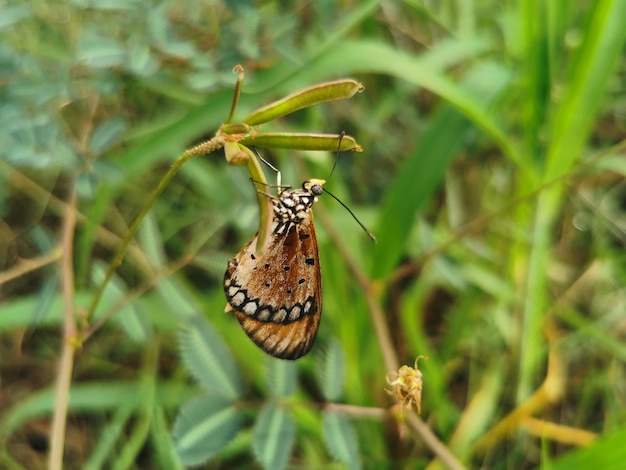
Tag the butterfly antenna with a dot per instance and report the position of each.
(369, 234)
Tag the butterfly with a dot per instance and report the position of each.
(277, 294)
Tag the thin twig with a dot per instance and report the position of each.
(384, 338)
(357, 411)
(66, 364)
(26, 266)
(130, 233)
(440, 450)
(60, 208)
(158, 276)
(376, 313)
(477, 224)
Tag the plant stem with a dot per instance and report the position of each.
(64, 378)
(201, 149)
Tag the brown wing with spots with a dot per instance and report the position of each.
(277, 296)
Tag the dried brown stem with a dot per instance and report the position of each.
(26, 266)
(66, 363)
(384, 338)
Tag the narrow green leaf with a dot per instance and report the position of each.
(136, 436)
(204, 426)
(108, 436)
(90, 397)
(282, 376)
(132, 320)
(274, 433)
(363, 57)
(601, 51)
(615, 163)
(162, 443)
(331, 371)
(423, 170)
(341, 439)
(208, 359)
(489, 281)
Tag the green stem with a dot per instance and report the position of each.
(207, 147)
(532, 345)
(264, 202)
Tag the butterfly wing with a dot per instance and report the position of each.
(277, 295)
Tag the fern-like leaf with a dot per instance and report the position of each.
(274, 433)
(282, 376)
(204, 426)
(341, 439)
(208, 359)
(331, 371)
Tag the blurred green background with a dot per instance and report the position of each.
(492, 175)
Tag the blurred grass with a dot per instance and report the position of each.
(492, 176)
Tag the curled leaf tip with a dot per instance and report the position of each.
(238, 68)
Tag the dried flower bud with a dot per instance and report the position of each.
(406, 386)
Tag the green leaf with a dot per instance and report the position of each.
(45, 296)
(86, 398)
(13, 14)
(423, 171)
(282, 376)
(341, 439)
(127, 316)
(108, 436)
(176, 297)
(162, 442)
(150, 240)
(101, 52)
(208, 359)
(607, 453)
(601, 52)
(204, 426)
(331, 371)
(107, 135)
(363, 57)
(274, 433)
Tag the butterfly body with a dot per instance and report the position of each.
(277, 294)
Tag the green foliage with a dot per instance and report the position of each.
(207, 358)
(492, 174)
(274, 435)
(282, 376)
(607, 453)
(424, 169)
(340, 439)
(130, 318)
(331, 371)
(204, 426)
